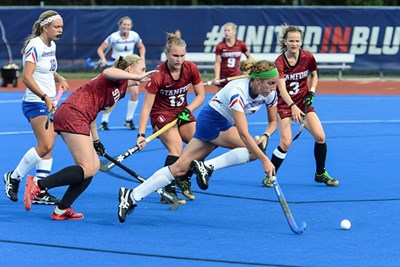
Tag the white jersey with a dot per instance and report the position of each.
(235, 95)
(120, 46)
(44, 57)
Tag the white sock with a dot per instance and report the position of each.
(233, 157)
(30, 159)
(131, 109)
(158, 180)
(43, 168)
(105, 117)
(58, 210)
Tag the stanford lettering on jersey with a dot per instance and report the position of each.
(296, 76)
(116, 94)
(231, 54)
(172, 92)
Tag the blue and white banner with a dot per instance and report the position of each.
(371, 34)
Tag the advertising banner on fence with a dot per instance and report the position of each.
(371, 34)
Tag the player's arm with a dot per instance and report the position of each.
(144, 117)
(93, 131)
(142, 50)
(242, 127)
(314, 80)
(29, 81)
(199, 99)
(97, 144)
(115, 74)
(309, 98)
(217, 68)
(100, 52)
(272, 112)
(62, 81)
(247, 54)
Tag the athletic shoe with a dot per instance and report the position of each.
(185, 186)
(203, 173)
(32, 191)
(104, 126)
(126, 204)
(46, 198)
(267, 182)
(130, 125)
(326, 178)
(68, 214)
(12, 186)
(170, 189)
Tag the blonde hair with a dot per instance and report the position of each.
(125, 18)
(172, 39)
(37, 29)
(230, 24)
(285, 30)
(126, 61)
(249, 66)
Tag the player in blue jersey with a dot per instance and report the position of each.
(222, 123)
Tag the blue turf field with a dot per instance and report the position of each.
(236, 222)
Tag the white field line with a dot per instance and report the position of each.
(250, 123)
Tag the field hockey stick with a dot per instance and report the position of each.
(289, 217)
(172, 198)
(225, 80)
(53, 109)
(302, 123)
(96, 64)
(130, 151)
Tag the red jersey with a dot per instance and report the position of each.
(230, 58)
(296, 77)
(171, 95)
(81, 108)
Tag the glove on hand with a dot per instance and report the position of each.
(309, 98)
(99, 147)
(263, 145)
(183, 116)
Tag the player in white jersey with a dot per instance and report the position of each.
(222, 123)
(236, 96)
(39, 75)
(122, 43)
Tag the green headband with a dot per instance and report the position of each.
(268, 74)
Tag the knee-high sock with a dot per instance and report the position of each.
(169, 161)
(131, 109)
(43, 168)
(233, 157)
(277, 157)
(320, 151)
(30, 159)
(67, 176)
(73, 192)
(105, 117)
(158, 180)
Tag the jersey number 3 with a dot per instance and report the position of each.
(294, 88)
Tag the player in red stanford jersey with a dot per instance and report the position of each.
(166, 100)
(294, 66)
(75, 121)
(228, 54)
